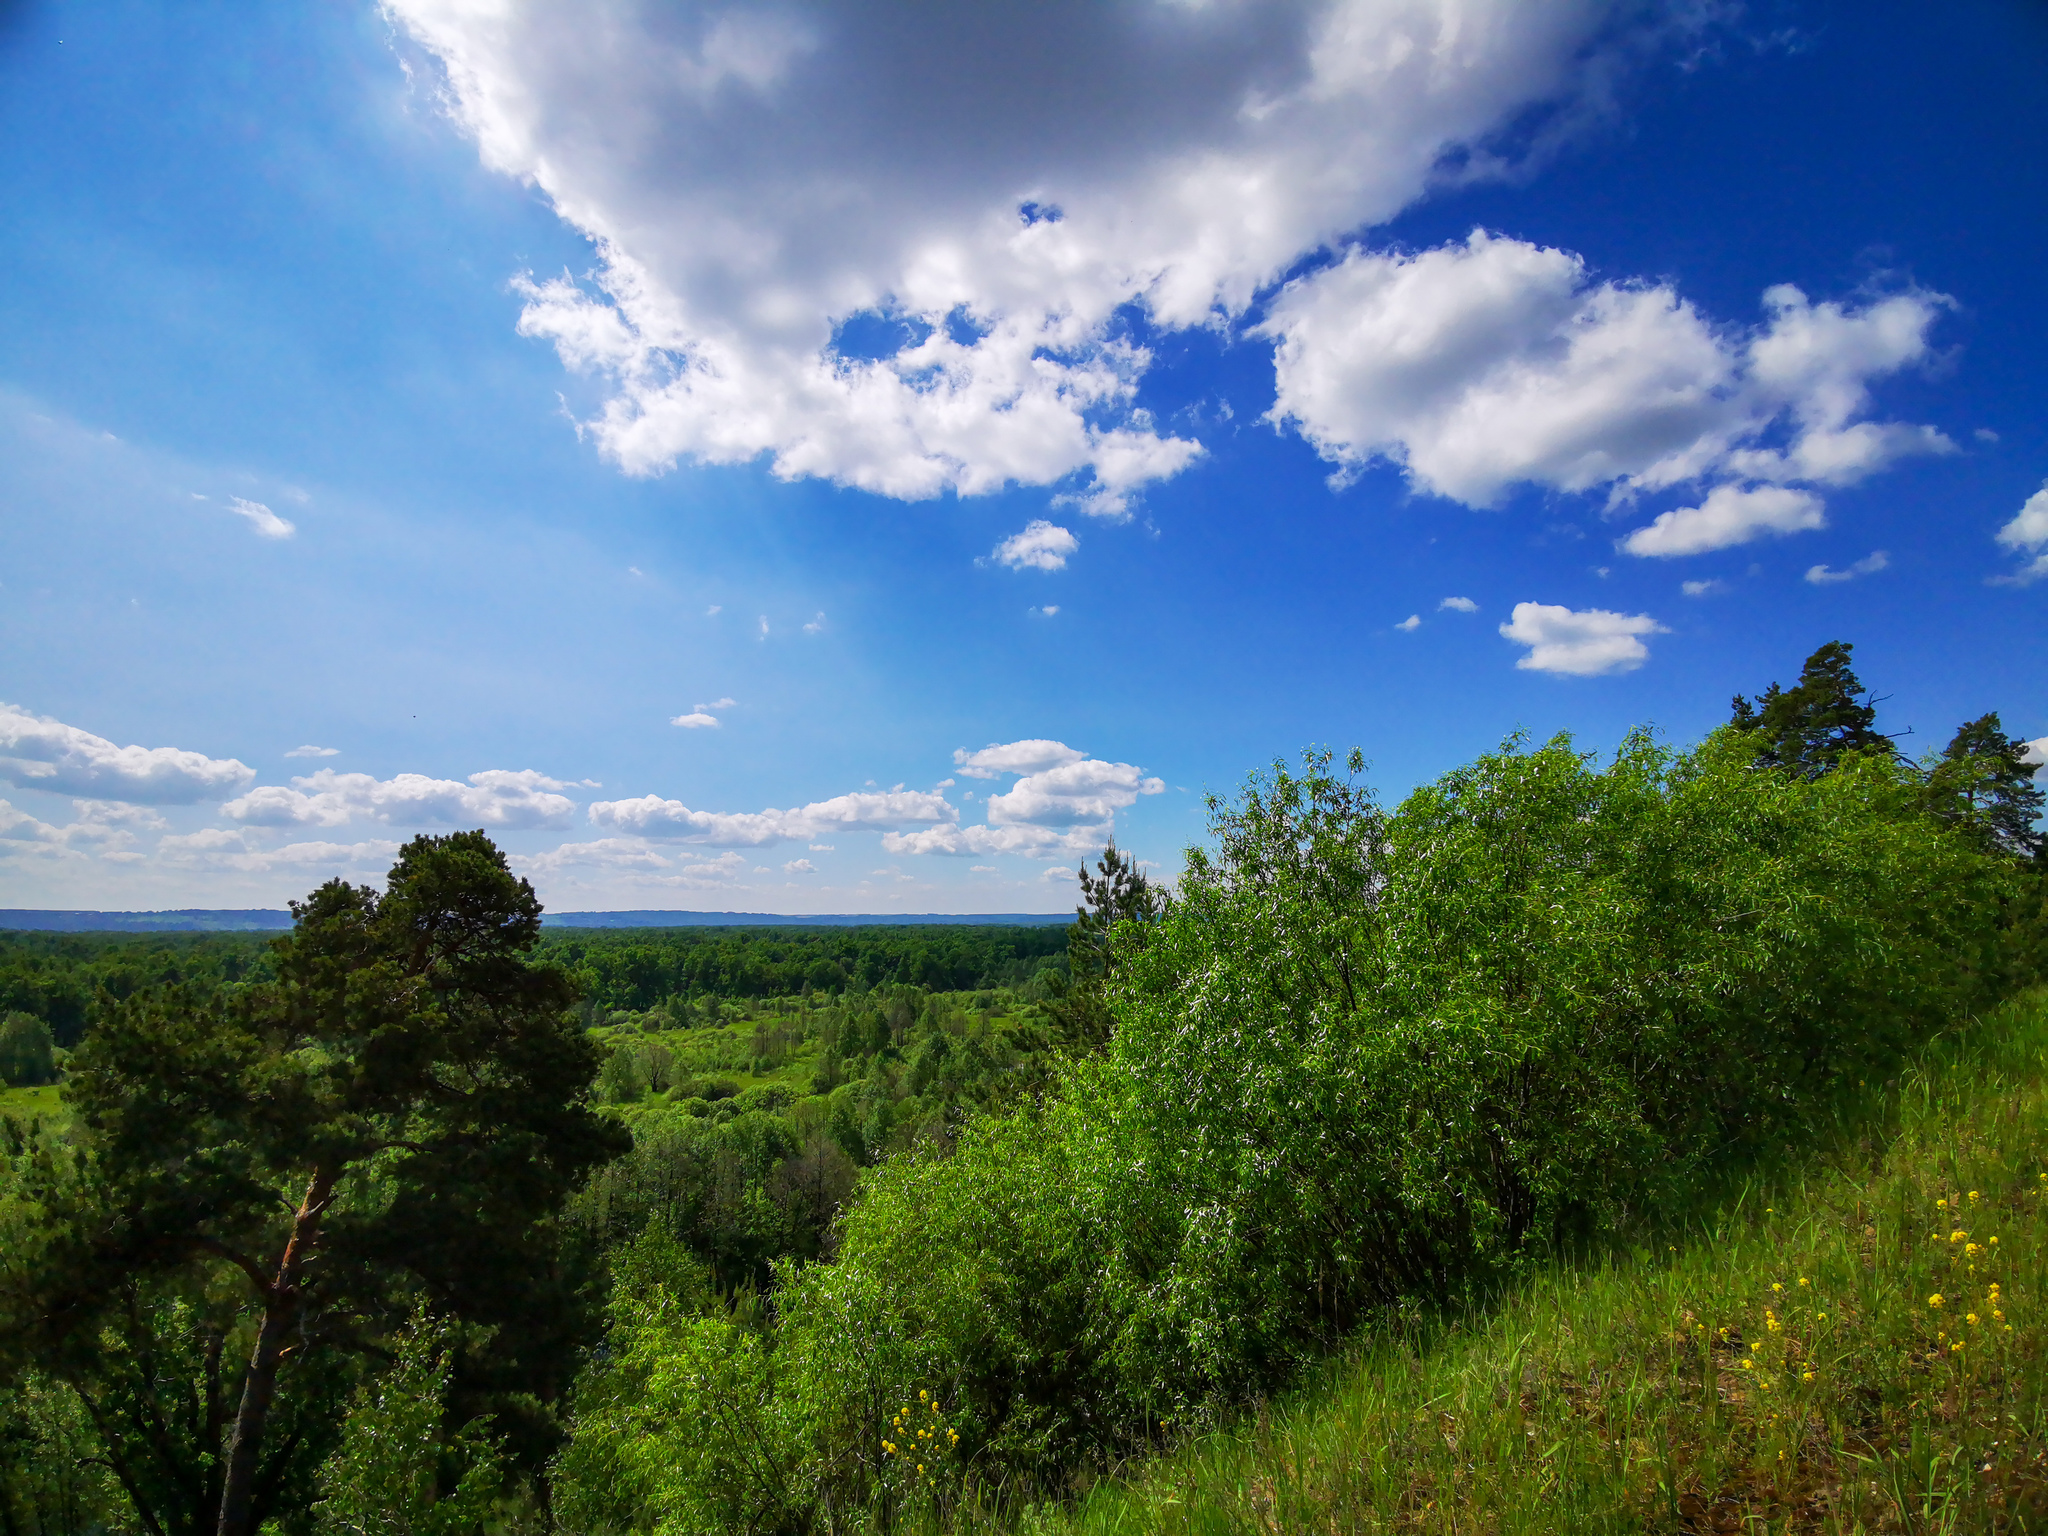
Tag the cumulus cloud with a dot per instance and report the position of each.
(2027, 534)
(1085, 793)
(606, 853)
(1728, 515)
(220, 848)
(697, 720)
(1457, 605)
(1410, 624)
(1031, 756)
(799, 867)
(671, 820)
(1042, 546)
(20, 827)
(719, 704)
(1592, 643)
(497, 797)
(982, 841)
(1869, 565)
(897, 257)
(312, 751)
(1484, 364)
(266, 522)
(1702, 588)
(37, 752)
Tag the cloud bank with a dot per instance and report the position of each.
(37, 752)
(903, 256)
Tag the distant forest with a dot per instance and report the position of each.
(57, 977)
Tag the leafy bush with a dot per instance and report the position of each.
(1365, 1057)
(27, 1051)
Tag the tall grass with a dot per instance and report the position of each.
(1854, 1346)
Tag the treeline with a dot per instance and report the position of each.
(65, 980)
(59, 977)
(638, 968)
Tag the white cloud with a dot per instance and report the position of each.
(218, 848)
(1410, 624)
(266, 522)
(20, 827)
(894, 256)
(1869, 565)
(37, 752)
(1702, 588)
(1480, 365)
(1457, 605)
(2027, 534)
(816, 626)
(1592, 643)
(606, 853)
(497, 797)
(1029, 756)
(115, 813)
(2037, 751)
(671, 820)
(983, 869)
(1050, 610)
(312, 751)
(1024, 841)
(1088, 792)
(697, 721)
(714, 611)
(1042, 546)
(799, 867)
(1729, 515)
(823, 848)
(719, 704)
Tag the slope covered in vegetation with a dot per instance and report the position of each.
(1856, 1340)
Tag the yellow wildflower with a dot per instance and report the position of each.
(1956, 1348)
(1957, 1236)
(923, 1396)
(1806, 1375)
(1749, 1365)
(1973, 1197)
(1941, 1205)
(1971, 1319)
(1776, 1287)
(1934, 1300)
(1820, 1317)
(1802, 1279)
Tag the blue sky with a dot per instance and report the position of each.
(472, 402)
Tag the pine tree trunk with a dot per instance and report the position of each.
(259, 1384)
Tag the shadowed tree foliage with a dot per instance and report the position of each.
(1117, 892)
(267, 1182)
(1983, 780)
(1807, 728)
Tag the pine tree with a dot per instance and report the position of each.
(1117, 892)
(1984, 781)
(1808, 728)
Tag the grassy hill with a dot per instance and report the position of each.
(1857, 1345)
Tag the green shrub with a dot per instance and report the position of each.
(28, 1054)
(1365, 1058)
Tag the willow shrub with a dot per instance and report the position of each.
(1369, 1058)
